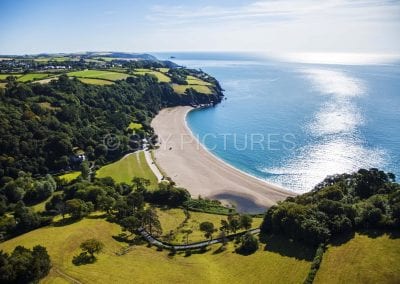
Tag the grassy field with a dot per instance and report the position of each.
(70, 176)
(99, 74)
(146, 265)
(3, 85)
(191, 80)
(363, 259)
(132, 165)
(4, 76)
(180, 89)
(40, 207)
(95, 81)
(32, 76)
(57, 58)
(135, 126)
(163, 70)
(47, 80)
(172, 220)
(160, 76)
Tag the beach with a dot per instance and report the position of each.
(190, 165)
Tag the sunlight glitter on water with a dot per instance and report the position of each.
(336, 146)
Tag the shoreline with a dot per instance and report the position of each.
(192, 166)
(268, 183)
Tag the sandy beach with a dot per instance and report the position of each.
(193, 167)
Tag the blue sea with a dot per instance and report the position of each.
(293, 124)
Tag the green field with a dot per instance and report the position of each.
(181, 89)
(4, 76)
(95, 81)
(32, 76)
(132, 165)
(160, 76)
(172, 218)
(147, 265)
(363, 259)
(135, 126)
(191, 80)
(99, 74)
(163, 70)
(56, 58)
(70, 176)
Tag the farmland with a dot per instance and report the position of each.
(99, 74)
(161, 77)
(32, 76)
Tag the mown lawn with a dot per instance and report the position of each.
(98, 74)
(147, 265)
(132, 165)
(32, 76)
(160, 76)
(95, 81)
(363, 259)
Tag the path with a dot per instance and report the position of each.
(154, 241)
(153, 166)
(66, 276)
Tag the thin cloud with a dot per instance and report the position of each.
(276, 10)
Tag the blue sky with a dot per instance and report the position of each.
(34, 26)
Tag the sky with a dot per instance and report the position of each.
(300, 26)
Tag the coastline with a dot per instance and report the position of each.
(195, 168)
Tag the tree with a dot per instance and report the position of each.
(92, 246)
(208, 229)
(245, 221)
(41, 262)
(234, 223)
(85, 170)
(249, 244)
(78, 208)
(130, 224)
(187, 232)
(136, 200)
(106, 203)
(24, 265)
(140, 183)
(151, 222)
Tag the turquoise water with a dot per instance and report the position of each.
(294, 124)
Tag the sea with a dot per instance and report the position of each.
(293, 124)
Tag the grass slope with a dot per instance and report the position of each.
(98, 74)
(132, 165)
(146, 265)
(363, 259)
(70, 176)
(135, 126)
(181, 89)
(95, 81)
(32, 76)
(160, 76)
(4, 76)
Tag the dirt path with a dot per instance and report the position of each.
(66, 276)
